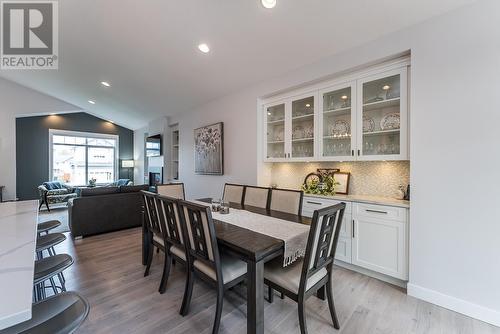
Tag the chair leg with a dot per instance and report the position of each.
(166, 272)
(302, 316)
(282, 295)
(188, 291)
(150, 260)
(53, 284)
(270, 294)
(331, 306)
(218, 311)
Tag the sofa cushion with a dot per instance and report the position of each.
(133, 189)
(86, 192)
(51, 185)
(122, 182)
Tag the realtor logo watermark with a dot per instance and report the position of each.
(29, 35)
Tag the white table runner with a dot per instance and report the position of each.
(293, 234)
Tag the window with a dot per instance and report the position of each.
(78, 157)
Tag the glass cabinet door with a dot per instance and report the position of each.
(275, 123)
(303, 128)
(383, 116)
(338, 123)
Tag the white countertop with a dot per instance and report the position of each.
(18, 224)
(380, 200)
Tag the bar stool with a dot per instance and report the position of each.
(47, 242)
(45, 227)
(46, 269)
(62, 313)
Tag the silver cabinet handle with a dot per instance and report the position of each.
(353, 234)
(315, 203)
(376, 211)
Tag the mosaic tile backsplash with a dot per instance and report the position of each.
(379, 178)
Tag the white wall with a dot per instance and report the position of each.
(455, 86)
(15, 101)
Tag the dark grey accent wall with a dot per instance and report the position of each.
(32, 146)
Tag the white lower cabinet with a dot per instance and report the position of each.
(373, 237)
(379, 243)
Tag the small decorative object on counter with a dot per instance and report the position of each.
(224, 208)
(342, 179)
(407, 195)
(321, 183)
(401, 192)
(216, 205)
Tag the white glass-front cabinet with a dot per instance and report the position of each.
(383, 116)
(362, 119)
(337, 122)
(276, 130)
(290, 129)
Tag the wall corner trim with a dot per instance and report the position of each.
(472, 310)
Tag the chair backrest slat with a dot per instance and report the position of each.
(151, 213)
(168, 212)
(256, 196)
(286, 200)
(322, 241)
(233, 193)
(174, 190)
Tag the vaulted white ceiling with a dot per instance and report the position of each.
(147, 49)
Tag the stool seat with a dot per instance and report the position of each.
(62, 313)
(49, 240)
(51, 266)
(48, 225)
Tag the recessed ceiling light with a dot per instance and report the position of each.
(105, 83)
(268, 3)
(204, 48)
(91, 102)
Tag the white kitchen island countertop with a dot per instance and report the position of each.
(18, 225)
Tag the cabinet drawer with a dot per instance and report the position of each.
(310, 204)
(379, 212)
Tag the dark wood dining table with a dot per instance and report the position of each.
(255, 249)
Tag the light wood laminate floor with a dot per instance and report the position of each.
(108, 271)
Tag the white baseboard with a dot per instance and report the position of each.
(455, 304)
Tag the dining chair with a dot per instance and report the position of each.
(233, 193)
(156, 231)
(256, 196)
(204, 260)
(169, 218)
(302, 279)
(287, 200)
(174, 190)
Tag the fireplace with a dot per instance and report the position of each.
(154, 179)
